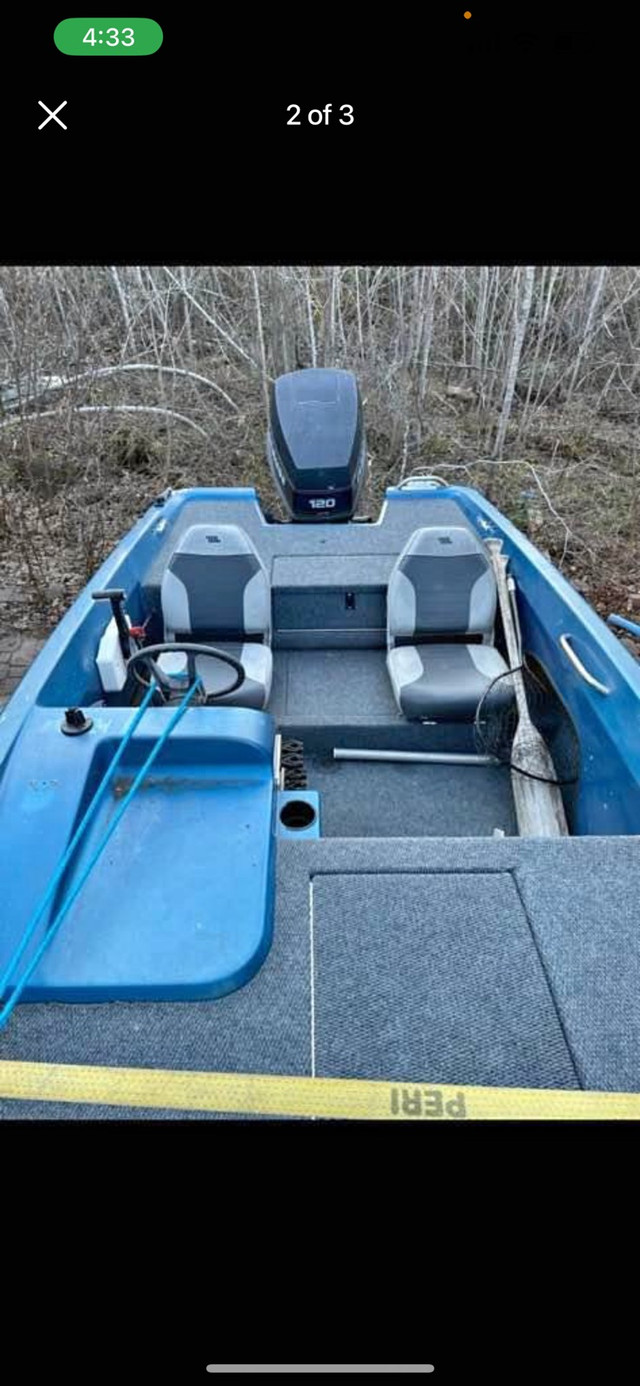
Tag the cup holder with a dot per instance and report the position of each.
(297, 814)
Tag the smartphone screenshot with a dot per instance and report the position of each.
(320, 627)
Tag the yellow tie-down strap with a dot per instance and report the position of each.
(257, 1094)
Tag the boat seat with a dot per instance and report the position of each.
(441, 607)
(215, 591)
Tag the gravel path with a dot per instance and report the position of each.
(17, 652)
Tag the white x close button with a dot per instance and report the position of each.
(52, 115)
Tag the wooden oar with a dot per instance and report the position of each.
(539, 806)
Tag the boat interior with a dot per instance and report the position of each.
(382, 918)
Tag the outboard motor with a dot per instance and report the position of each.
(316, 445)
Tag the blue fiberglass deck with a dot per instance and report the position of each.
(180, 905)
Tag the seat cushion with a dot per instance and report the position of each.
(442, 683)
(441, 585)
(256, 659)
(216, 581)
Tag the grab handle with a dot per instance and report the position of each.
(579, 666)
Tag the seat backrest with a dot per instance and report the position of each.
(216, 587)
(442, 584)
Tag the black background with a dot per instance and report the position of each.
(146, 1251)
(508, 136)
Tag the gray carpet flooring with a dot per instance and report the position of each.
(386, 538)
(483, 961)
(415, 976)
(432, 973)
(365, 799)
(432, 959)
(332, 686)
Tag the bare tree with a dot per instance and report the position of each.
(118, 380)
(522, 308)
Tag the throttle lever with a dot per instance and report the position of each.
(117, 596)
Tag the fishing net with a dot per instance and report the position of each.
(498, 731)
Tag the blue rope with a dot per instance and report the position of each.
(64, 861)
(66, 906)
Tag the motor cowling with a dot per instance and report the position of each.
(316, 444)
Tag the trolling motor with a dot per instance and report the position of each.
(316, 444)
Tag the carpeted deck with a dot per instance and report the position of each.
(476, 961)
(387, 799)
(432, 974)
(332, 686)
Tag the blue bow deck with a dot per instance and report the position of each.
(180, 905)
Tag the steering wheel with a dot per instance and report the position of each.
(149, 653)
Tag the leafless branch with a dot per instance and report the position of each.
(105, 409)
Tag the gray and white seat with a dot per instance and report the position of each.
(215, 591)
(442, 590)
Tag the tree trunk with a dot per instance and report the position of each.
(521, 318)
